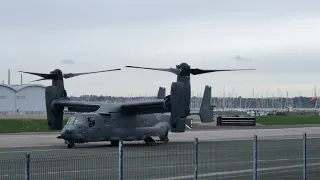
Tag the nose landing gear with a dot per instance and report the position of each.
(165, 138)
(69, 144)
(149, 141)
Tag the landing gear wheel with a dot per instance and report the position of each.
(71, 145)
(114, 143)
(165, 138)
(149, 141)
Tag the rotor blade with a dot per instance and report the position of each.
(196, 71)
(38, 80)
(45, 76)
(70, 75)
(174, 71)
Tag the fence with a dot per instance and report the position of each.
(294, 159)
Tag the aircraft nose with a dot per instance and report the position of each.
(66, 133)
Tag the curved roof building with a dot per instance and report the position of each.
(24, 99)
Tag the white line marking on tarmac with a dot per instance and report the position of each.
(31, 150)
(183, 165)
(27, 136)
(31, 146)
(237, 172)
(261, 173)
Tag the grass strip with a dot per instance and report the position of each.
(24, 125)
(287, 120)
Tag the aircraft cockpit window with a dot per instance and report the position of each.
(91, 121)
(70, 120)
(80, 120)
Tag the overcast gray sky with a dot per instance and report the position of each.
(280, 38)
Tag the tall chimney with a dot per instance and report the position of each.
(8, 76)
(21, 78)
(2, 81)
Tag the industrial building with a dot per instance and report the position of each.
(23, 99)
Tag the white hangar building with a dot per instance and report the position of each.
(22, 99)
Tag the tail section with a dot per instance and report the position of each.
(206, 107)
(161, 93)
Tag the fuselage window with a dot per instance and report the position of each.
(91, 122)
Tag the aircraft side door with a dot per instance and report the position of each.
(115, 121)
(92, 130)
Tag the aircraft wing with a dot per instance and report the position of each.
(143, 107)
(77, 106)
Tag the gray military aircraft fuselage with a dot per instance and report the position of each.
(103, 125)
(93, 127)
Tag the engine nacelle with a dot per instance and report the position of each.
(176, 99)
(54, 114)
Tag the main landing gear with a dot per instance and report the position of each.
(164, 138)
(152, 142)
(149, 141)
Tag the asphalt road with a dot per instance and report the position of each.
(203, 127)
(217, 160)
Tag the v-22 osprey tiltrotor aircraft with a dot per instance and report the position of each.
(129, 121)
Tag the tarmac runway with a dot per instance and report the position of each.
(218, 158)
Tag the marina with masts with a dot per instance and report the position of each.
(261, 102)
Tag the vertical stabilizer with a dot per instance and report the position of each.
(161, 93)
(206, 108)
